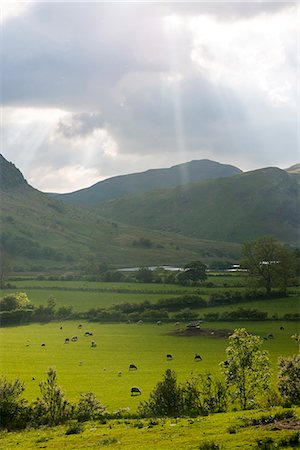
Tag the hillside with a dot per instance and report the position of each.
(236, 209)
(41, 233)
(137, 183)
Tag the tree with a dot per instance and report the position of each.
(11, 405)
(194, 272)
(144, 275)
(269, 263)
(54, 405)
(246, 368)
(289, 378)
(11, 302)
(166, 399)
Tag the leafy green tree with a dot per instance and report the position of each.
(11, 405)
(289, 378)
(165, 400)
(144, 275)
(269, 263)
(194, 272)
(56, 408)
(246, 368)
(11, 302)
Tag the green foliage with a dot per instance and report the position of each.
(246, 368)
(204, 394)
(269, 263)
(12, 407)
(289, 378)
(14, 301)
(56, 409)
(166, 400)
(74, 428)
(89, 408)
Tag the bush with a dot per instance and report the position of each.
(289, 378)
(54, 408)
(204, 394)
(74, 428)
(13, 410)
(89, 408)
(165, 400)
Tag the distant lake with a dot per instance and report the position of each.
(135, 269)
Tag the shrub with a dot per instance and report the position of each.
(165, 400)
(54, 408)
(13, 410)
(89, 408)
(74, 428)
(204, 394)
(289, 378)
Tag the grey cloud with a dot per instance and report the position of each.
(80, 124)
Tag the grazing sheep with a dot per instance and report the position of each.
(79, 326)
(119, 374)
(74, 339)
(159, 322)
(270, 336)
(135, 391)
(93, 344)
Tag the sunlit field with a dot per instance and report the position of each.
(82, 368)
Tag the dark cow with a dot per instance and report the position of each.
(135, 391)
(93, 344)
(60, 328)
(43, 345)
(270, 336)
(79, 326)
(87, 333)
(67, 340)
(169, 356)
(197, 357)
(132, 367)
(281, 328)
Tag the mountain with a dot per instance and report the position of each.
(10, 176)
(42, 234)
(295, 169)
(236, 209)
(136, 183)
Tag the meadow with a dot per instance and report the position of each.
(81, 368)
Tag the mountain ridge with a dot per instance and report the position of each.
(130, 184)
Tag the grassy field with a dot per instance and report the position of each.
(163, 434)
(81, 368)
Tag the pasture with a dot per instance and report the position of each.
(81, 368)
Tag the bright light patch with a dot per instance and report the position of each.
(11, 9)
(247, 54)
(172, 23)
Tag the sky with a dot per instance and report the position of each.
(91, 90)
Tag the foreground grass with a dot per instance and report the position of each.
(228, 430)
